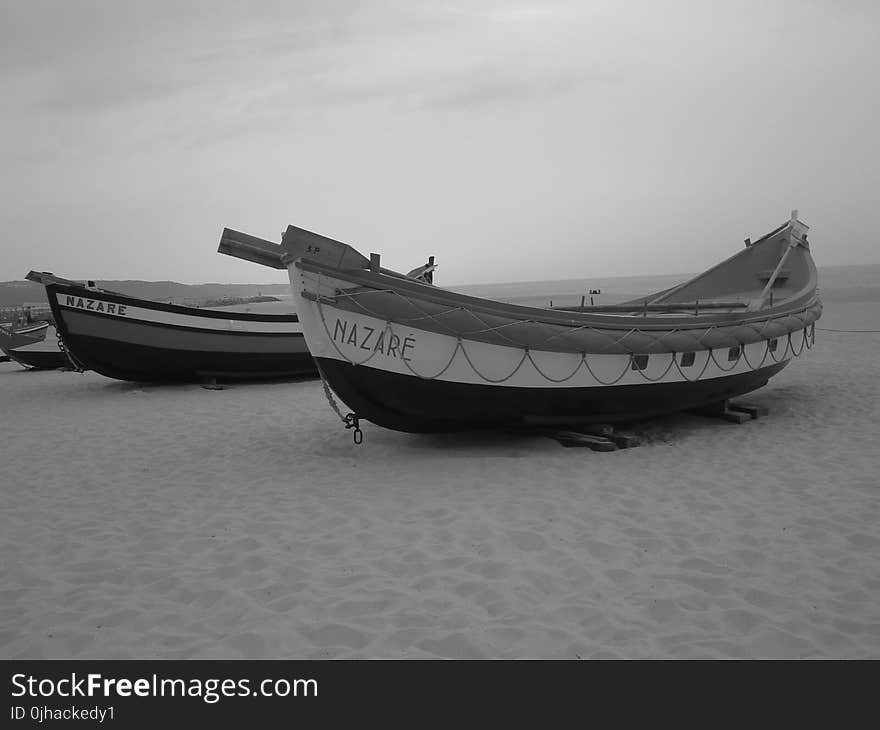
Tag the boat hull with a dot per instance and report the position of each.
(146, 362)
(412, 379)
(39, 359)
(417, 405)
(138, 340)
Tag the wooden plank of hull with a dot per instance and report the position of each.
(206, 315)
(408, 403)
(148, 363)
(171, 337)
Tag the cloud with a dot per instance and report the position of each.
(468, 87)
(89, 57)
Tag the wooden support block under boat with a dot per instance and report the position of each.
(735, 416)
(622, 439)
(711, 410)
(625, 440)
(727, 411)
(604, 430)
(754, 411)
(575, 439)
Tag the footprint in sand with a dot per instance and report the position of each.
(741, 621)
(224, 572)
(336, 635)
(407, 619)
(249, 645)
(116, 618)
(453, 646)
(778, 644)
(703, 566)
(254, 562)
(765, 600)
(528, 541)
(664, 610)
(864, 541)
(353, 609)
(488, 569)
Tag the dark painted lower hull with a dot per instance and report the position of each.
(39, 359)
(146, 363)
(408, 403)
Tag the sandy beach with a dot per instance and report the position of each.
(179, 522)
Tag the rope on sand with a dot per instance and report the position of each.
(871, 332)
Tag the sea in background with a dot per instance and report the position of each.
(846, 283)
(856, 285)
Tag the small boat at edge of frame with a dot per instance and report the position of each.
(11, 336)
(34, 347)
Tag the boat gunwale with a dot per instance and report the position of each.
(178, 327)
(27, 330)
(117, 298)
(799, 303)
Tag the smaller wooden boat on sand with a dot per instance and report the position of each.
(39, 353)
(411, 356)
(135, 339)
(11, 337)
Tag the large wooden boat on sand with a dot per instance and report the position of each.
(136, 339)
(411, 356)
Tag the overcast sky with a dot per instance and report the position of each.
(514, 141)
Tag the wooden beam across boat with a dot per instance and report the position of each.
(250, 248)
(47, 277)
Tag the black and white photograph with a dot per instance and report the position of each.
(405, 330)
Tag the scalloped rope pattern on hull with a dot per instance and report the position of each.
(807, 342)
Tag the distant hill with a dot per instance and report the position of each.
(850, 283)
(16, 293)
